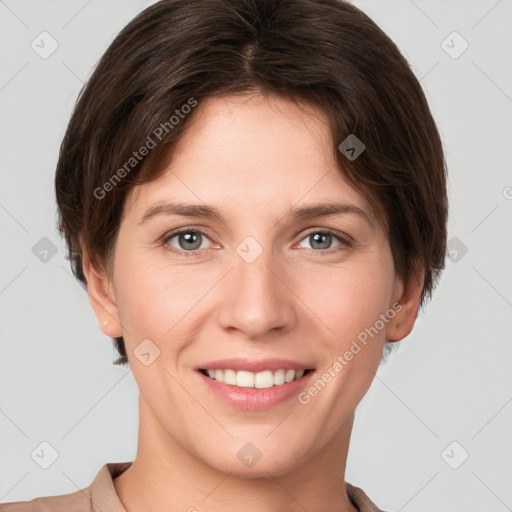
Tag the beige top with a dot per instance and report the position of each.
(101, 496)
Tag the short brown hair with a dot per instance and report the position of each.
(327, 53)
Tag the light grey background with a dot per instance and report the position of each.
(450, 380)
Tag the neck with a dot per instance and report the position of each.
(167, 478)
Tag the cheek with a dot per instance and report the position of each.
(350, 298)
(141, 293)
(157, 299)
(351, 307)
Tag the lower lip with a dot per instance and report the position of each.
(255, 399)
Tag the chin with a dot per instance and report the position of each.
(260, 469)
(250, 460)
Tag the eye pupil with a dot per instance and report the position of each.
(190, 237)
(320, 238)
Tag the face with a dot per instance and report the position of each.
(255, 283)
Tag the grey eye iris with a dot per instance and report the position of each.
(189, 237)
(320, 238)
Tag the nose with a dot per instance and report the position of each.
(257, 298)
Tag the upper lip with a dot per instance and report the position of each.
(253, 365)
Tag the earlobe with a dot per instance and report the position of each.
(102, 298)
(409, 302)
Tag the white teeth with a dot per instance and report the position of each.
(230, 377)
(244, 379)
(264, 379)
(279, 377)
(260, 380)
(289, 375)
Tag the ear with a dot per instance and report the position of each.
(102, 298)
(407, 295)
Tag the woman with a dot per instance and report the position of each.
(253, 193)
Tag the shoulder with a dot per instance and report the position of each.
(100, 495)
(359, 499)
(79, 501)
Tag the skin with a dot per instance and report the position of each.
(253, 158)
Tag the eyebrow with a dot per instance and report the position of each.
(208, 212)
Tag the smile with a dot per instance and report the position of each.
(259, 380)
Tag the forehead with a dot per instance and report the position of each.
(251, 153)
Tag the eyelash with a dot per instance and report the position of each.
(346, 242)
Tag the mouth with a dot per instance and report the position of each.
(260, 380)
(252, 384)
